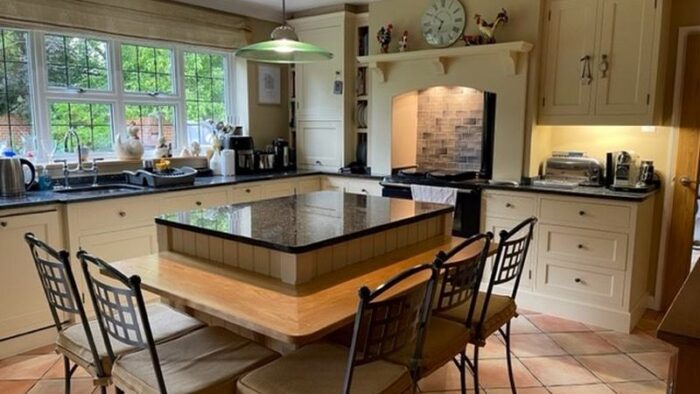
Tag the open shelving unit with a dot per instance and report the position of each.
(362, 108)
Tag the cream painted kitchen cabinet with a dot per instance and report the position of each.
(352, 185)
(325, 93)
(23, 305)
(602, 62)
(589, 258)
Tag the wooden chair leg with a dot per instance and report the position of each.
(506, 336)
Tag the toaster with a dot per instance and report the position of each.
(578, 170)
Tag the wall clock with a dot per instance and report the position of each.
(443, 22)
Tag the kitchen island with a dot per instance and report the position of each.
(298, 238)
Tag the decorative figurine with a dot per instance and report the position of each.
(384, 37)
(132, 148)
(195, 148)
(403, 43)
(185, 152)
(488, 30)
(162, 149)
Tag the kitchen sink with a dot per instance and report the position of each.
(100, 189)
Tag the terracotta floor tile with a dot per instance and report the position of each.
(494, 374)
(656, 362)
(56, 371)
(615, 368)
(55, 386)
(527, 312)
(558, 371)
(534, 345)
(596, 328)
(650, 387)
(15, 386)
(581, 343)
(30, 367)
(636, 343)
(494, 349)
(527, 390)
(583, 389)
(520, 325)
(548, 323)
(445, 378)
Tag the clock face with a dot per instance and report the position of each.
(443, 22)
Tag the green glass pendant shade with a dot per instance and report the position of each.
(284, 47)
(284, 51)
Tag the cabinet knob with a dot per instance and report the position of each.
(122, 214)
(509, 205)
(3, 224)
(580, 246)
(365, 191)
(198, 203)
(247, 190)
(582, 213)
(578, 280)
(319, 163)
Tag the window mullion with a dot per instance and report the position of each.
(39, 71)
(181, 108)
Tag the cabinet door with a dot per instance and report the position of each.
(333, 183)
(319, 144)
(570, 36)
(23, 305)
(314, 81)
(627, 45)
(370, 188)
(309, 185)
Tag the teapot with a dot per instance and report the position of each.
(132, 148)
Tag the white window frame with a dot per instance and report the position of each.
(43, 94)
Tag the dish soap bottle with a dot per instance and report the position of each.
(44, 181)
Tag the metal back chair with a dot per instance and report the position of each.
(384, 326)
(61, 291)
(121, 312)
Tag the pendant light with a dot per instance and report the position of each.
(284, 47)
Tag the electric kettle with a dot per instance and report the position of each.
(12, 180)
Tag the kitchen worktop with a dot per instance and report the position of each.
(51, 197)
(301, 223)
(579, 191)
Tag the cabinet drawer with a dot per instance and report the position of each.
(117, 213)
(509, 206)
(363, 187)
(581, 284)
(333, 183)
(277, 189)
(203, 199)
(308, 185)
(585, 214)
(246, 193)
(598, 248)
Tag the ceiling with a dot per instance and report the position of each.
(268, 9)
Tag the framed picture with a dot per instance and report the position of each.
(269, 84)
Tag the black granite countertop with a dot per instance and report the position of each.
(51, 197)
(579, 191)
(306, 222)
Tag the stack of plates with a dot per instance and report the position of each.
(361, 114)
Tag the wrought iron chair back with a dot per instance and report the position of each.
(385, 325)
(61, 290)
(121, 312)
(459, 280)
(510, 259)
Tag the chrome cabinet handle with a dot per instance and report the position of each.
(586, 74)
(604, 66)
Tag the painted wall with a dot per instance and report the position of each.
(265, 122)
(519, 92)
(404, 130)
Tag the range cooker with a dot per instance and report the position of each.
(468, 208)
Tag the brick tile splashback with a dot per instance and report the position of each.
(450, 121)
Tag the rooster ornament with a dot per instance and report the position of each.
(488, 30)
(384, 37)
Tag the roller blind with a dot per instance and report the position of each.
(149, 19)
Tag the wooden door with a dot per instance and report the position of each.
(570, 37)
(626, 48)
(685, 185)
(23, 305)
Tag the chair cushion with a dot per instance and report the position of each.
(166, 324)
(209, 360)
(500, 310)
(444, 339)
(319, 369)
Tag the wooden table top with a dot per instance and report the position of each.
(291, 314)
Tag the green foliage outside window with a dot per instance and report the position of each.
(147, 69)
(15, 98)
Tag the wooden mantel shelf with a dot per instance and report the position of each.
(510, 53)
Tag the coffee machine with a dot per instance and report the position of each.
(284, 155)
(624, 169)
(245, 153)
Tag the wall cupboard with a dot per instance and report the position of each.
(601, 62)
(589, 259)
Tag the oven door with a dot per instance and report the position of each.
(467, 211)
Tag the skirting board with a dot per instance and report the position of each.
(25, 343)
(617, 320)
